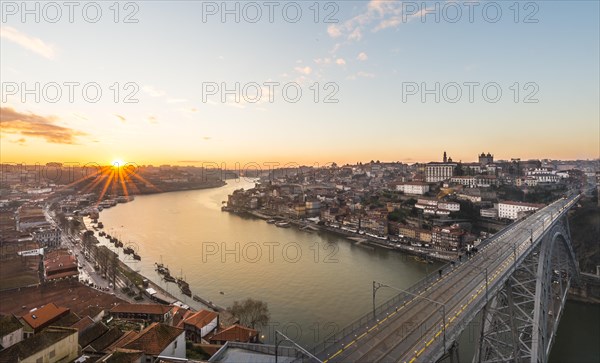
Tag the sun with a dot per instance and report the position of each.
(117, 163)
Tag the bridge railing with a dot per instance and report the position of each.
(366, 321)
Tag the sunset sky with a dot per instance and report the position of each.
(371, 54)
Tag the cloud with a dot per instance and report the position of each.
(378, 15)
(304, 70)
(176, 100)
(362, 56)
(123, 120)
(340, 61)
(361, 75)
(153, 92)
(323, 61)
(334, 31)
(206, 138)
(20, 141)
(13, 122)
(33, 44)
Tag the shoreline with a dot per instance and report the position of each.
(162, 296)
(355, 238)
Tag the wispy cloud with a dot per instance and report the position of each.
(153, 92)
(33, 44)
(362, 56)
(32, 125)
(304, 70)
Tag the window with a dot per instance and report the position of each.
(52, 353)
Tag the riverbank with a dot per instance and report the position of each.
(147, 287)
(356, 238)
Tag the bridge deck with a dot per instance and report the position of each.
(413, 330)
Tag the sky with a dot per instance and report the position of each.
(191, 82)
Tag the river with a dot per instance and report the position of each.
(313, 283)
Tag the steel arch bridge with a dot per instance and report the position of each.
(518, 282)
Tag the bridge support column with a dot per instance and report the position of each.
(520, 321)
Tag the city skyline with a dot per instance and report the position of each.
(370, 60)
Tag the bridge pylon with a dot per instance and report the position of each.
(519, 322)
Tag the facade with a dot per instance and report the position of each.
(511, 210)
(47, 237)
(489, 213)
(54, 344)
(437, 172)
(448, 238)
(159, 340)
(200, 324)
(11, 331)
(416, 188)
(146, 312)
(485, 159)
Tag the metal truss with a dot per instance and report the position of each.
(520, 321)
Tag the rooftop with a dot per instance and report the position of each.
(153, 309)
(44, 315)
(236, 333)
(38, 342)
(201, 318)
(155, 338)
(8, 324)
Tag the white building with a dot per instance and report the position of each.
(417, 188)
(437, 172)
(511, 210)
(489, 213)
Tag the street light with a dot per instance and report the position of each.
(286, 339)
(486, 281)
(378, 285)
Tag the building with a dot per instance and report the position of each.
(235, 333)
(489, 213)
(448, 238)
(47, 236)
(60, 264)
(11, 331)
(485, 159)
(159, 340)
(38, 319)
(200, 324)
(31, 217)
(436, 172)
(513, 210)
(417, 188)
(54, 344)
(144, 312)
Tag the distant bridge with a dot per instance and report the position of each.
(518, 280)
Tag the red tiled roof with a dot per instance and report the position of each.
(44, 315)
(235, 333)
(155, 338)
(201, 318)
(83, 323)
(154, 309)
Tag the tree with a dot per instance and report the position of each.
(250, 312)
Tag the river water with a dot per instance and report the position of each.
(313, 283)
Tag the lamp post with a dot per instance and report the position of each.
(484, 269)
(378, 285)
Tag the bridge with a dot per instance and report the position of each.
(518, 281)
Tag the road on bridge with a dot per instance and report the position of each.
(415, 328)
